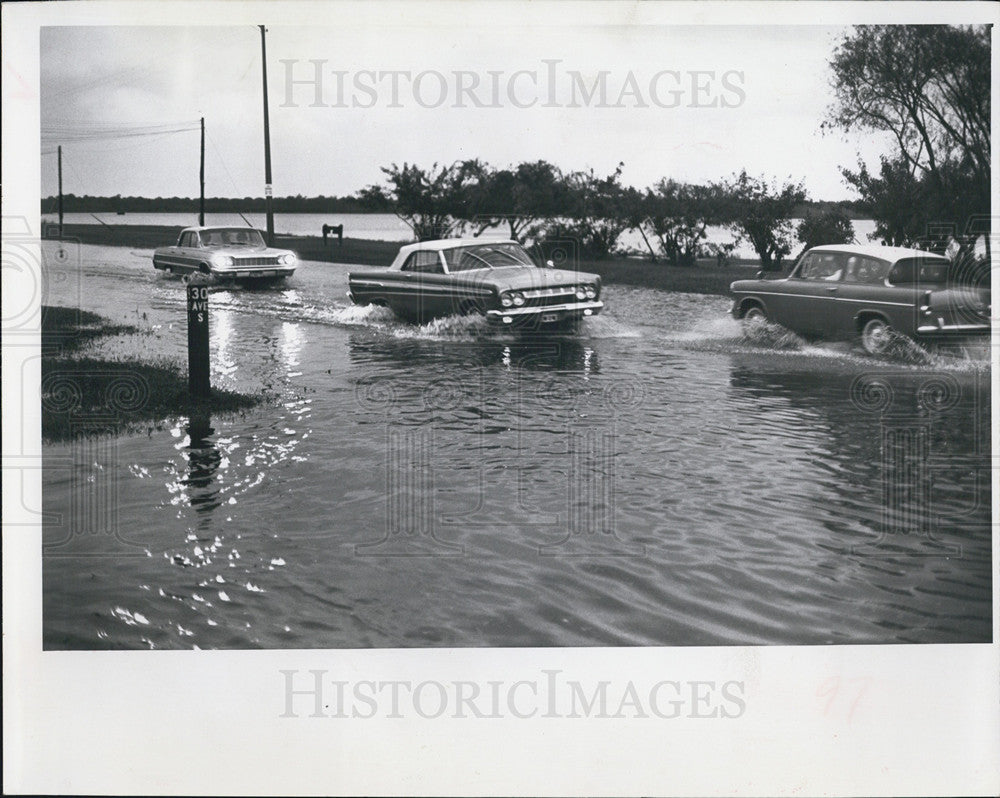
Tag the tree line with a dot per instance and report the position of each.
(73, 203)
(539, 202)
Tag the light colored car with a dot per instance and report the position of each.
(497, 279)
(844, 292)
(225, 253)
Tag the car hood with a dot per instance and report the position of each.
(524, 278)
(237, 252)
(252, 252)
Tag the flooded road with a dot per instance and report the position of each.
(660, 477)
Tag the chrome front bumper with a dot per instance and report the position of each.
(239, 274)
(571, 310)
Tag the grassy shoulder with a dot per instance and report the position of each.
(83, 395)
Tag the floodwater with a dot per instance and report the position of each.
(660, 477)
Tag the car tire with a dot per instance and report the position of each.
(471, 309)
(875, 336)
(754, 313)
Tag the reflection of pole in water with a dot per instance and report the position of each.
(203, 461)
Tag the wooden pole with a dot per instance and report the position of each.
(201, 206)
(59, 151)
(267, 145)
(199, 380)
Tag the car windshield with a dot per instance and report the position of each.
(232, 237)
(486, 256)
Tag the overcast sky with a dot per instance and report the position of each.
(691, 103)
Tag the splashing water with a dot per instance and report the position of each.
(470, 327)
(901, 349)
(362, 315)
(605, 326)
(757, 332)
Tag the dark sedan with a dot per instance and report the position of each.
(847, 292)
(497, 279)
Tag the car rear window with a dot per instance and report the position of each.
(923, 271)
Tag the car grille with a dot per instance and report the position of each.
(268, 261)
(559, 295)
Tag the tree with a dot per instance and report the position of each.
(521, 197)
(679, 216)
(761, 214)
(929, 87)
(831, 226)
(433, 202)
(896, 199)
(636, 207)
(598, 211)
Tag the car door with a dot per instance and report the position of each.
(190, 250)
(415, 293)
(864, 291)
(806, 302)
(176, 258)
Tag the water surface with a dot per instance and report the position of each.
(660, 477)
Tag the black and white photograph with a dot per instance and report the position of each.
(580, 365)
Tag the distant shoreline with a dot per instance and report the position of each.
(705, 278)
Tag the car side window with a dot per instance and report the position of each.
(870, 271)
(189, 240)
(425, 261)
(822, 266)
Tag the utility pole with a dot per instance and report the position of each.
(201, 206)
(267, 146)
(59, 151)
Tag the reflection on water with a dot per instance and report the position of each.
(203, 460)
(291, 347)
(658, 477)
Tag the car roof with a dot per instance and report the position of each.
(876, 251)
(441, 244)
(451, 243)
(202, 229)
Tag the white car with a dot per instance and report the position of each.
(225, 253)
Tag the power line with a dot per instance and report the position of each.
(100, 131)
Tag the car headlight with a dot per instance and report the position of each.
(288, 258)
(222, 261)
(591, 291)
(506, 300)
(518, 298)
(581, 292)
